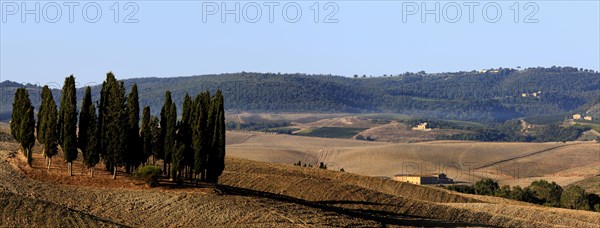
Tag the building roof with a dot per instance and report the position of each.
(420, 175)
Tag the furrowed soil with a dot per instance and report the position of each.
(250, 194)
(464, 161)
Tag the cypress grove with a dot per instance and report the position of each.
(192, 148)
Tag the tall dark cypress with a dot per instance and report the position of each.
(84, 120)
(40, 117)
(177, 155)
(22, 125)
(171, 129)
(114, 123)
(134, 154)
(18, 112)
(116, 126)
(185, 130)
(219, 138)
(47, 131)
(163, 129)
(102, 132)
(216, 125)
(200, 134)
(91, 157)
(146, 134)
(27, 133)
(68, 122)
(157, 145)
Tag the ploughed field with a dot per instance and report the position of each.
(465, 161)
(255, 194)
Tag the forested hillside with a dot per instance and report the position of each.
(493, 95)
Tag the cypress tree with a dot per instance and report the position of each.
(84, 120)
(117, 131)
(200, 134)
(22, 125)
(113, 123)
(157, 145)
(146, 134)
(18, 112)
(40, 118)
(177, 155)
(102, 132)
(47, 132)
(134, 154)
(91, 155)
(186, 135)
(27, 132)
(161, 152)
(216, 124)
(170, 135)
(219, 137)
(68, 122)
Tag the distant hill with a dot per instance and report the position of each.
(493, 95)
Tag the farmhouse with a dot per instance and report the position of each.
(421, 127)
(424, 179)
(587, 118)
(577, 116)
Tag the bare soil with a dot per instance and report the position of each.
(251, 194)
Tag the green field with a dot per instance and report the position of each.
(386, 116)
(331, 132)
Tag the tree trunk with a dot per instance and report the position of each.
(49, 161)
(168, 170)
(91, 171)
(114, 172)
(27, 154)
(71, 168)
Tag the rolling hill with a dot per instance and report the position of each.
(479, 96)
(465, 161)
(252, 194)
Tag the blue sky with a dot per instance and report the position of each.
(369, 37)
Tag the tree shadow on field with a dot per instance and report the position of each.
(383, 217)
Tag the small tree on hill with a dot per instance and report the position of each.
(574, 197)
(520, 194)
(503, 191)
(546, 193)
(486, 187)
